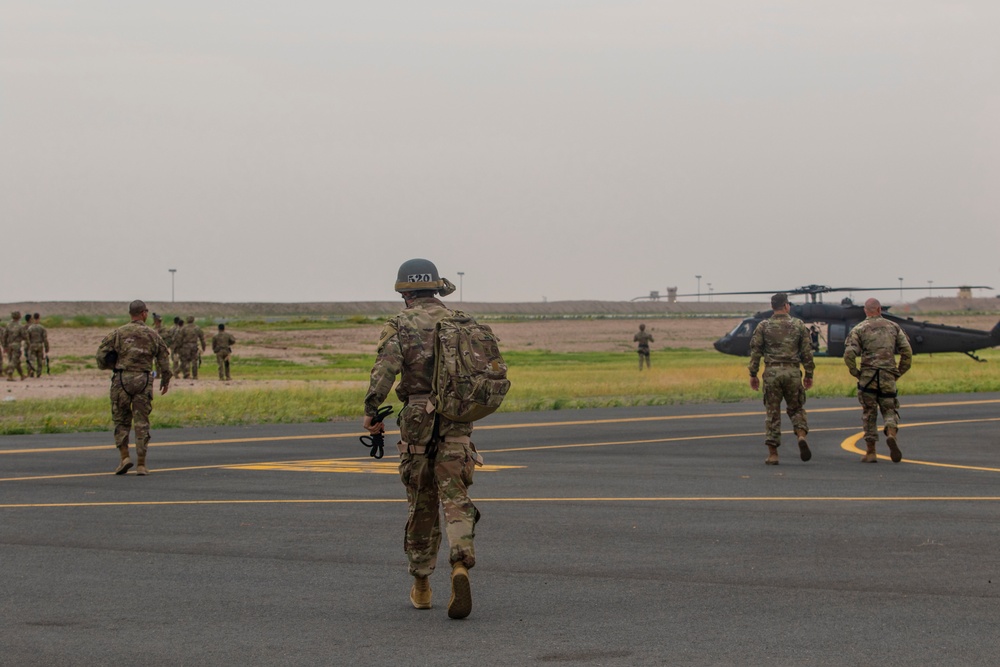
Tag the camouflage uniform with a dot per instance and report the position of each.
(643, 339)
(38, 346)
(222, 345)
(137, 347)
(784, 343)
(877, 340)
(189, 341)
(15, 336)
(433, 481)
(172, 337)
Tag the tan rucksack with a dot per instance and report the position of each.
(470, 376)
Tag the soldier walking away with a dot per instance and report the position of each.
(643, 339)
(38, 345)
(784, 343)
(158, 324)
(3, 345)
(186, 344)
(437, 457)
(13, 339)
(877, 341)
(130, 351)
(172, 338)
(222, 345)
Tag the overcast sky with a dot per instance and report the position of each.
(300, 151)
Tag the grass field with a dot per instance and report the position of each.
(332, 387)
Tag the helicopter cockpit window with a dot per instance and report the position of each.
(744, 328)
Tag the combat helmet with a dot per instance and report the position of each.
(421, 274)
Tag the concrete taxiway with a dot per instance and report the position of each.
(649, 536)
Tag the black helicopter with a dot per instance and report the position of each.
(926, 338)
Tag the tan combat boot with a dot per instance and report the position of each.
(126, 462)
(460, 604)
(890, 439)
(420, 594)
(804, 452)
(140, 465)
(772, 455)
(870, 457)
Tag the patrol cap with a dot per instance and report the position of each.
(190, 319)
(16, 315)
(420, 274)
(137, 307)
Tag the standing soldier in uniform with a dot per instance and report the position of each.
(130, 351)
(3, 345)
(784, 343)
(13, 339)
(191, 339)
(38, 344)
(436, 455)
(877, 341)
(158, 324)
(173, 340)
(643, 339)
(222, 345)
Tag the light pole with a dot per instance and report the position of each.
(460, 292)
(173, 272)
(900, 289)
(699, 287)
(709, 291)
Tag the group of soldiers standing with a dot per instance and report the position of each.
(32, 337)
(186, 341)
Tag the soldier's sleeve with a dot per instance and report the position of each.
(756, 348)
(387, 366)
(852, 348)
(107, 345)
(905, 351)
(806, 351)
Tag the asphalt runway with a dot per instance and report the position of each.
(631, 536)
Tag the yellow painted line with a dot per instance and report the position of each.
(490, 427)
(851, 445)
(343, 466)
(585, 499)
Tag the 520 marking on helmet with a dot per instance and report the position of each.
(420, 274)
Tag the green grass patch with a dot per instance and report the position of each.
(333, 387)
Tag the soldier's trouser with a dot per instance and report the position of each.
(643, 356)
(433, 485)
(131, 403)
(222, 358)
(14, 361)
(175, 363)
(877, 392)
(783, 383)
(189, 363)
(37, 356)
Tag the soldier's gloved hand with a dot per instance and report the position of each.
(163, 388)
(807, 383)
(755, 383)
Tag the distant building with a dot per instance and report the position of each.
(672, 294)
(964, 292)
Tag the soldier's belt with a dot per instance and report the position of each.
(464, 440)
(780, 363)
